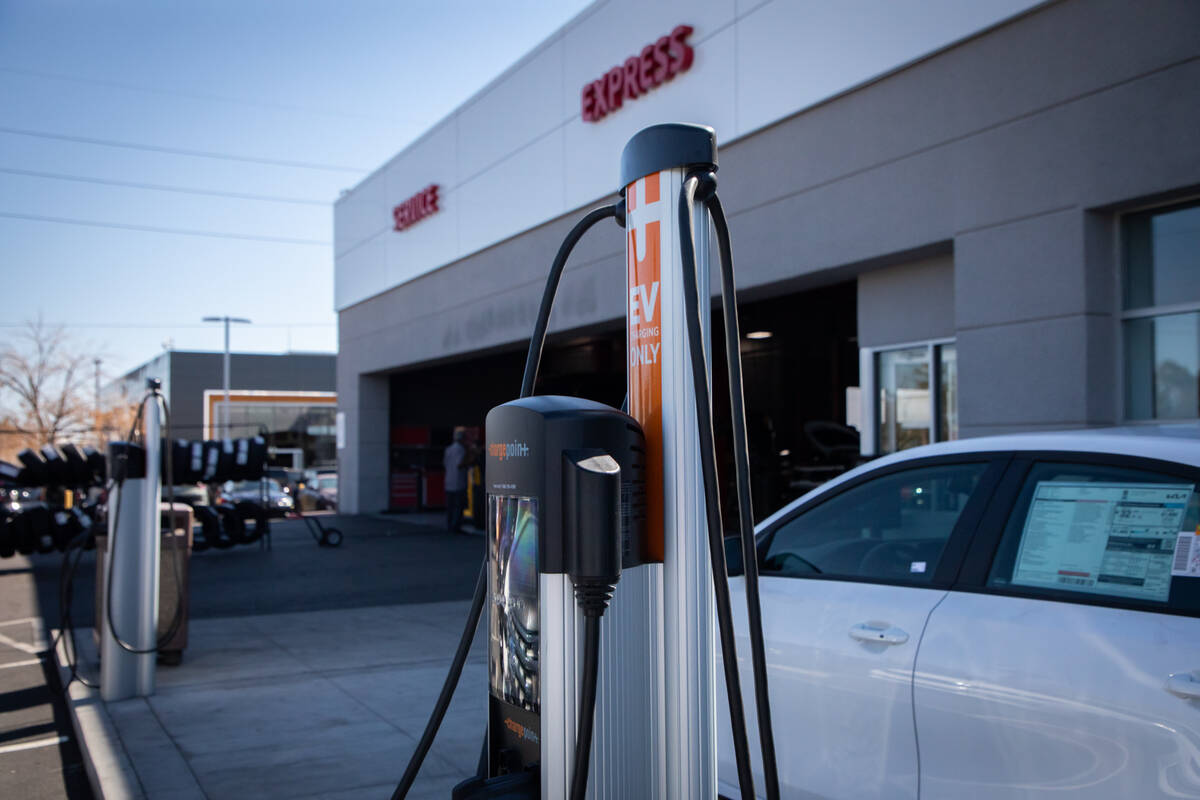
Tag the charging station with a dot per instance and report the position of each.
(563, 475)
(589, 506)
(131, 571)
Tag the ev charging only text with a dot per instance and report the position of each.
(642, 306)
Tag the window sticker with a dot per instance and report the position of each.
(1187, 555)
(1111, 538)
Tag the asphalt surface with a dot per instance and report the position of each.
(39, 757)
(381, 561)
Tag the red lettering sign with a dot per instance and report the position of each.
(416, 208)
(656, 64)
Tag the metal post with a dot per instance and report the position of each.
(225, 379)
(96, 412)
(133, 558)
(225, 367)
(653, 167)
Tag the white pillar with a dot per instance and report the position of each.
(132, 556)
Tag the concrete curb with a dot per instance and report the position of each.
(109, 768)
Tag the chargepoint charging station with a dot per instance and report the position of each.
(131, 572)
(605, 578)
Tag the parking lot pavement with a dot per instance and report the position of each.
(309, 672)
(382, 561)
(39, 757)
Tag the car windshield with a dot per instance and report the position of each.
(327, 483)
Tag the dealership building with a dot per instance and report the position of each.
(949, 219)
(287, 398)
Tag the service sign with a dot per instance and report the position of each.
(416, 208)
(638, 75)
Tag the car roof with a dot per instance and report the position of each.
(1179, 443)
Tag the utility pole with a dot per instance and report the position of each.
(225, 404)
(96, 408)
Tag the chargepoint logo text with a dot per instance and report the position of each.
(504, 450)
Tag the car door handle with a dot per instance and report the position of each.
(878, 632)
(1182, 684)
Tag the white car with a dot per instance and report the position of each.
(1002, 617)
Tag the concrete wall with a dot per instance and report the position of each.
(906, 303)
(1014, 150)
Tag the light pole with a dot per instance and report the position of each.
(96, 409)
(226, 320)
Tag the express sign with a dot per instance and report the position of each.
(656, 64)
(416, 208)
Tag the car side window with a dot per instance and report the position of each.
(1103, 533)
(891, 528)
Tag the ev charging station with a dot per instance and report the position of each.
(587, 503)
(131, 571)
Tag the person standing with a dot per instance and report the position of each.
(454, 460)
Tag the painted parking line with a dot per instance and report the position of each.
(28, 663)
(36, 743)
(34, 624)
(24, 648)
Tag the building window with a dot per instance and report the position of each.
(917, 387)
(1161, 316)
(299, 426)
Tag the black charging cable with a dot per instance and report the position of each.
(448, 687)
(708, 469)
(66, 597)
(592, 538)
(538, 340)
(741, 453)
(533, 360)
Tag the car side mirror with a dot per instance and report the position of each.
(733, 556)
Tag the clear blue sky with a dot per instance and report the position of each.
(345, 84)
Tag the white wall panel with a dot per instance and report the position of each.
(360, 271)
(357, 216)
(517, 154)
(526, 105)
(516, 194)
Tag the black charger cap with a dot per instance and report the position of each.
(126, 460)
(667, 146)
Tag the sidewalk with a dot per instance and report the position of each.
(297, 705)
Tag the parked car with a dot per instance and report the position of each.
(279, 502)
(1003, 617)
(289, 479)
(318, 492)
(326, 487)
(194, 494)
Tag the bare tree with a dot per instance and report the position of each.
(43, 388)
